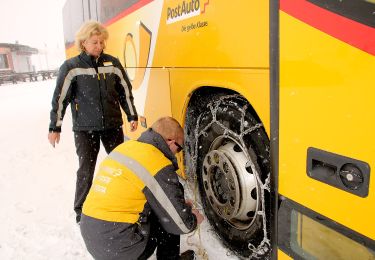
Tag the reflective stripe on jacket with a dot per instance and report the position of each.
(137, 173)
(95, 89)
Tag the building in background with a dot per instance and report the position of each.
(16, 57)
(21, 62)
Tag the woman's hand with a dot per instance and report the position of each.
(54, 138)
(133, 126)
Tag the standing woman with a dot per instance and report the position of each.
(96, 85)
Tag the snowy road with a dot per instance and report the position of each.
(37, 183)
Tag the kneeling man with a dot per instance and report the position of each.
(136, 202)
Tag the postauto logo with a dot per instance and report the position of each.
(183, 10)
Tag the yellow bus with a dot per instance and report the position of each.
(276, 98)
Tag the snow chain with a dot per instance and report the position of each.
(258, 251)
(201, 252)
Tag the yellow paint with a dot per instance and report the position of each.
(141, 63)
(71, 52)
(158, 96)
(327, 102)
(226, 41)
(282, 256)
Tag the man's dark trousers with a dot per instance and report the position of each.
(168, 245)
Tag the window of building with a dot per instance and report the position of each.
(4, 61)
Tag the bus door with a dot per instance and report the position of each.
(326, 119)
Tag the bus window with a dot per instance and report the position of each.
(111, 8)
(73, 19)
(93, 9)
(307, 235)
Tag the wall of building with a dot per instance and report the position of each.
(22, 62)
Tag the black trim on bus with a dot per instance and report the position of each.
(358, 10)
(83, 11)
(284, 224)
(274, 135)
(89, 9)
(348, 174)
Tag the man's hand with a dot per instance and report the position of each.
(53, 138)
(189, 202)
(133, 125)
(199, 216)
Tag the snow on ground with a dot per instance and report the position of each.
(37, 183)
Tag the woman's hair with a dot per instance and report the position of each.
(87, 30)
(168, 128)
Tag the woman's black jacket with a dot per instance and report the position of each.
(95, 89)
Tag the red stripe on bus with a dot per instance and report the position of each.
(349, 31)
(128, 11)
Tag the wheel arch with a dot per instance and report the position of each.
(209, 91)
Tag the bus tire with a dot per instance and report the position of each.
(226, 165)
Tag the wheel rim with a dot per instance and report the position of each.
(229, 182)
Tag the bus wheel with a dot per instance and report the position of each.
(232, 168)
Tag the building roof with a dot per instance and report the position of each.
(19, 47)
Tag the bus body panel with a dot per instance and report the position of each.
(215, 37)
(326, 102)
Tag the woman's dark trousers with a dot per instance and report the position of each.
(87, 148)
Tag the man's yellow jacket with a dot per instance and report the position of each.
(136, 180)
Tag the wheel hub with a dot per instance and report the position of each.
(230, 184)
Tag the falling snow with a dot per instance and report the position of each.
(37, 184)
